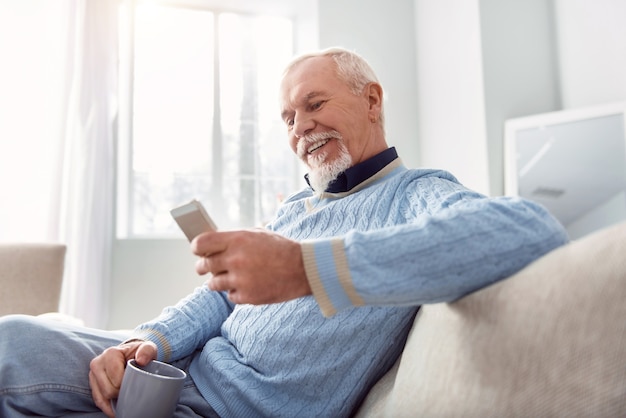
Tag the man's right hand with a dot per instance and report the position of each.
(254, 266)
(107, 370)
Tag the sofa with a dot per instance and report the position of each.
(550, 341)
(31, 275)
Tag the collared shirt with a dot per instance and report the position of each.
(360, 172)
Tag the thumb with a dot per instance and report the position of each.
(145, 353)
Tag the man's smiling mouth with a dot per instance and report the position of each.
(317, 145)
(309, 144)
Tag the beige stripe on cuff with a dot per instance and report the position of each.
(341, 263)
(151, 335)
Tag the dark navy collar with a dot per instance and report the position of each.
(360, 172)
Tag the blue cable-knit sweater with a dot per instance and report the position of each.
(401, 238)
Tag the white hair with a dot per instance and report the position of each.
(352, 68)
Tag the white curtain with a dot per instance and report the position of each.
(85, 190)
(57, 135)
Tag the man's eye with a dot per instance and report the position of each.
(316, 105)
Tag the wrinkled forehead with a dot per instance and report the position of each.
(310, 75)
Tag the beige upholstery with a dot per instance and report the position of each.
(31, 275)
(549, 341)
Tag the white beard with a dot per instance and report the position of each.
(323, 173)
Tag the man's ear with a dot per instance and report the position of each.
(375, 99)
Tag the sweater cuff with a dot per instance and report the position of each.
(327, 271)
(164, 350)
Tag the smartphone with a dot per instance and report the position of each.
(193, 219)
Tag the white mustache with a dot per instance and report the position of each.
(308, 140)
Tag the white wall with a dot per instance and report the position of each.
(480, 62)
(450, 90)
(592, 51)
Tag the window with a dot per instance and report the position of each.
(199, 116)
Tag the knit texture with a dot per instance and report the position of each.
(402, 234)
(418, 237)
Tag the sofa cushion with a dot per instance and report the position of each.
(548, 341)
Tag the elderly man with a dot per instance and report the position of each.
(303, 317)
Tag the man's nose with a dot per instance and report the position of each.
(303, 126)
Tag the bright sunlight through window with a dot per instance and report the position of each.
(30, 92)
(199, 117)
